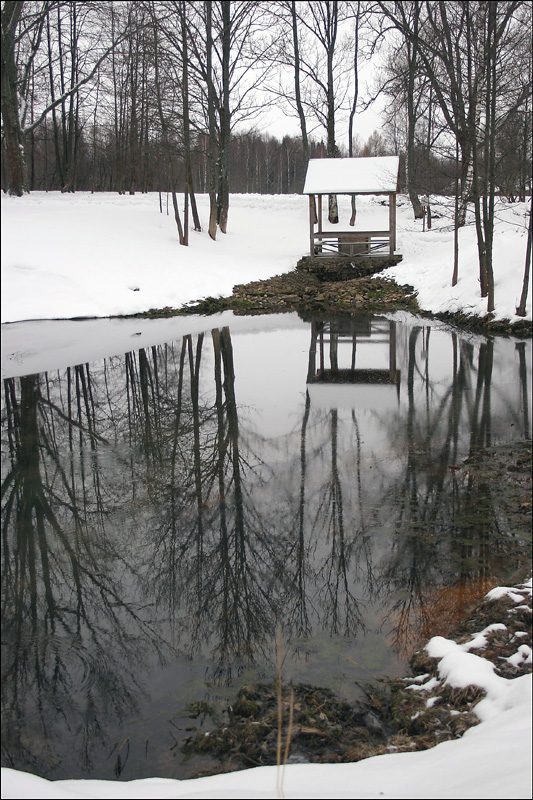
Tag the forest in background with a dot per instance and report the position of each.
(146, 96)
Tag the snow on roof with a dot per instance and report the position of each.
(352, 175)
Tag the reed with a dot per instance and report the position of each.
(282, 753)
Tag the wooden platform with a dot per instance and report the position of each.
(344, 268)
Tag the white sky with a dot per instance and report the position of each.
(366, 122)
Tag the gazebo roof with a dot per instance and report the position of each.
(378, 175)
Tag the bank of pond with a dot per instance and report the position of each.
(172, 514)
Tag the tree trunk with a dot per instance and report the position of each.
(16, 178)
(455, 276)
(72, 140)
(412, 63)
(333, 150)
(354, 104)
(521, 310)
(212, 141)
(186, 120)
(297, 88)
(333, 209)
(354, 210)
(166, 141)
(225, 121)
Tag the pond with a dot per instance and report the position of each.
(167, 511)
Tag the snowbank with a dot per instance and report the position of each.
(100, 255)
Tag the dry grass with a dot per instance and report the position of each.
(281, 762)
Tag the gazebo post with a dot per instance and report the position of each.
(392, 223)
(311, 224)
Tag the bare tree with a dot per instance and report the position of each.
(18, 28)
(405, 67)
(521, 310)
(170, 20)
(465, 50)
(165, 127)
(355, 96)
(226, 66)
(65, 40)
(23, 24)
(297, 86)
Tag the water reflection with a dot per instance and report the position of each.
(152, 520)
(349, 337)
(75, 639)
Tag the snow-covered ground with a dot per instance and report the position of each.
(100, 255)
(83, 255)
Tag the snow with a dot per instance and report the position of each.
(102, 255)
(99, 255)
(428, 259)
(492, 760)
(522, 656)
(84, 255)
(373, 175)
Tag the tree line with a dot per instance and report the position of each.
(258, 163)
(145, 95)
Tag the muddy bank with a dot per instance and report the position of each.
(393, 716)
(309, 724)
(313, 295)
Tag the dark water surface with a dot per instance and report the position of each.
(161, 510)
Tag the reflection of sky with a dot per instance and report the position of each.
(45, 345)
(270, 373)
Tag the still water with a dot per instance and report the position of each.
(162, 510)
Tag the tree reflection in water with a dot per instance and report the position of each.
(71, 649)
(447, 531)
(147, 520)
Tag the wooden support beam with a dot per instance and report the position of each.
(392, 223)
(311, 224)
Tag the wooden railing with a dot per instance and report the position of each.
(352, 243)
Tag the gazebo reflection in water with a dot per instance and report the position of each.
(352, 363)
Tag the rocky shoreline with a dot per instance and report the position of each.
(312, 294)
(403, 715)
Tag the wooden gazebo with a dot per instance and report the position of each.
(351, 176)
